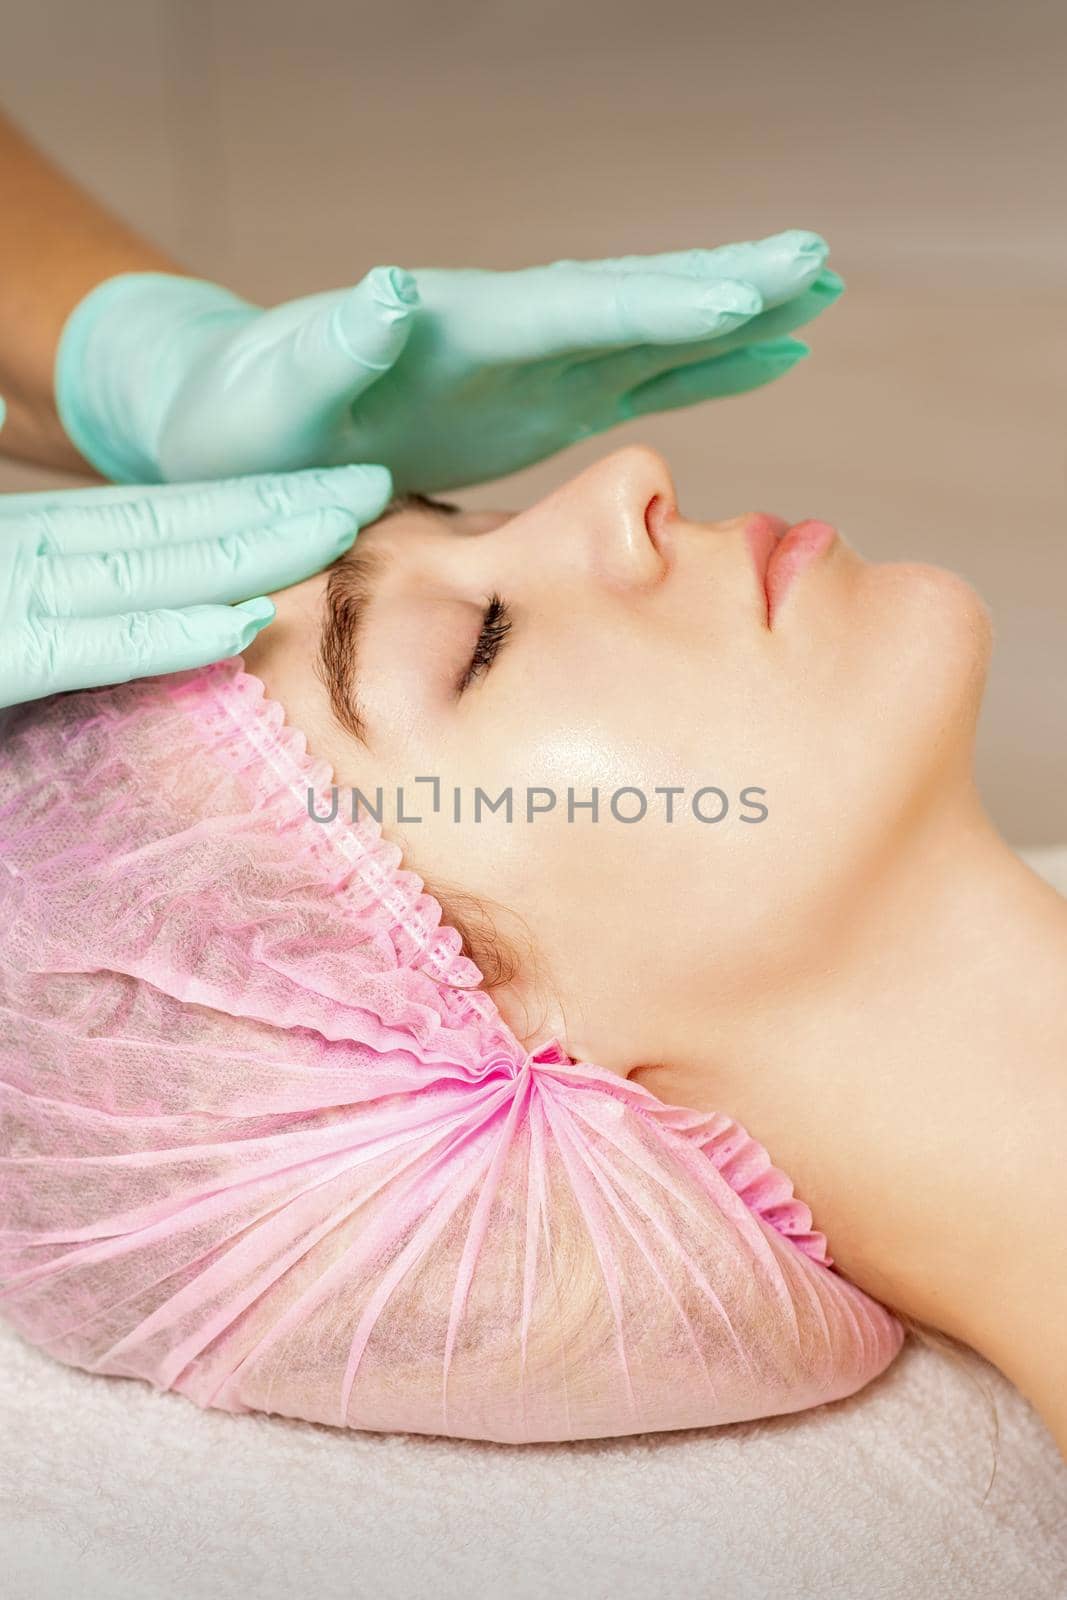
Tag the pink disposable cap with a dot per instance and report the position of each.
(268, 1143)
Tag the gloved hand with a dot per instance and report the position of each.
(103, 585)
(448, 378)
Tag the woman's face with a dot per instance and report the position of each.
(603, 641)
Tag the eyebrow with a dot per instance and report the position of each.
(350, 589)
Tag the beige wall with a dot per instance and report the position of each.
(288, 147)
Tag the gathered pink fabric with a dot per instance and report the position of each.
(266, 1142)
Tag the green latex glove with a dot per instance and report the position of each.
(448, 378)
(104, 585)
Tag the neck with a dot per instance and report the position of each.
(915, 1090)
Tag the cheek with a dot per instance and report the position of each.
(841, 741)
(653, 887)
(697, 867)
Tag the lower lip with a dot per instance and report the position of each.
(793, 554)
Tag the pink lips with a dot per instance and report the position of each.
(781, 552)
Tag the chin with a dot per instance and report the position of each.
(944, 633)
(956, 614)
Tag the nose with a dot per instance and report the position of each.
(613, 519)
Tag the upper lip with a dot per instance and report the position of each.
(764, 534)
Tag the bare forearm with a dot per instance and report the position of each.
(56, 245)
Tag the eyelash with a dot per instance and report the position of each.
(496, 625)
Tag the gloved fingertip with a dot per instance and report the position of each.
(394, 289)
(371, 485)
(258, 611)
(829, 284)
(801, 242)
(337, 527)
(779, 352)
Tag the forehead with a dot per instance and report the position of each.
(413, 517)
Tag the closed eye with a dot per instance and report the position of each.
(496, 625)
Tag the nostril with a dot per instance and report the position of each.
(658, 513)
